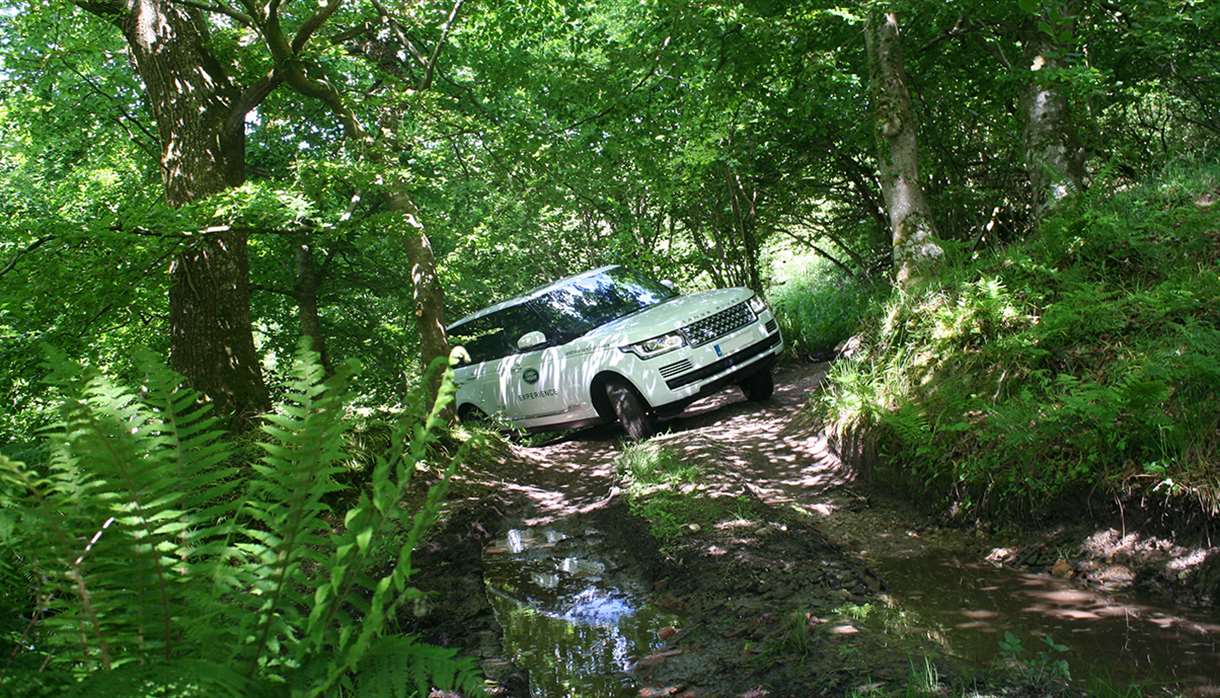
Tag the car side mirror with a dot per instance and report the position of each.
(529, 340)
(669, 284)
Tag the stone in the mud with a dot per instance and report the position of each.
(848, 347)
(1061, 568)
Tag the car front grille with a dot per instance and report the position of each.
(724, 364)
(772, 326)
(718, 325)
(675, 368)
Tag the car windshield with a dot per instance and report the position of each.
(562, 314)
(592, 301)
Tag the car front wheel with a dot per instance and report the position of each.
(759, 386)
(630, 410)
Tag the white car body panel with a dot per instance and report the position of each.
(561, 392)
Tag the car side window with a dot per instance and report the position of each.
(516, 321)
(495, 336)
(482, 338)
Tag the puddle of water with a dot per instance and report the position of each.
(574, 611)
(1121, 640)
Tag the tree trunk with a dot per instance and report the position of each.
(202, 153)
(305, 292)
(429, 297)
(746, 218)
(1053, 157)
(427, 293)
(210, 338)
(914, 237)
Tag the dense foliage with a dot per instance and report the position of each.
(978, 189)
(1086, 360)
(159, 567)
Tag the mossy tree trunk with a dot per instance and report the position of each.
(915, 245)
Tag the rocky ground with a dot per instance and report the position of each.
(801, 580)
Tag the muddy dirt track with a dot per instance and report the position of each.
(808, 583)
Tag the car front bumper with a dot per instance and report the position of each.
(714, 365)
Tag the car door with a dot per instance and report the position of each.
(531, 378)
(535, 387)
(478, 381)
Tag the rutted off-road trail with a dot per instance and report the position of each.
(750, 448)
(805, 583)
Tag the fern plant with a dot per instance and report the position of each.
(162, 568)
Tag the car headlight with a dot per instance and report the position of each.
(657, 345)
(757, 304)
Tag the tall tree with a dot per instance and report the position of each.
(200, 116)
(309, 78)
(1053, 157)
(911, 227)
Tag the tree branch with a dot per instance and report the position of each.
(97, 89)
(253, 96)
(311, 25)
(229, 12)
(21, 253)
(426, 81)
(109, 10)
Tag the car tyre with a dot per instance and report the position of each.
(630, 409)
(759, 386)
(471, 414)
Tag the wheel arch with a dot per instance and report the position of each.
(597, 393)
(467, 410)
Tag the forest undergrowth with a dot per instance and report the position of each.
(1081, 362)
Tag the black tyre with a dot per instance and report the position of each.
(759, 386)
(630, 410)
(469, 414)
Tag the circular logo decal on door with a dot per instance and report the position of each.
(530, 375)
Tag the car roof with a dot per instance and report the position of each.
(529, 296)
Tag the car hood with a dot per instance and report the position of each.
(668, 316)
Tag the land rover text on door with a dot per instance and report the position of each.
(611, 344)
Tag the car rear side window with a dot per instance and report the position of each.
(494, 336)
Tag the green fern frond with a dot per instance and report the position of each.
(401, 667)
(288, 489)
(161, 568)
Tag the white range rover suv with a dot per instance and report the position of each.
(611, 344)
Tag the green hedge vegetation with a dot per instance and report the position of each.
(1085, 359)
(818, 305)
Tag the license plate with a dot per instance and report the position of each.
(719, 351)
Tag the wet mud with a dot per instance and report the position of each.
(820, 588)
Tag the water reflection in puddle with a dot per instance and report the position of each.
(1120, 640)
(574, 610)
